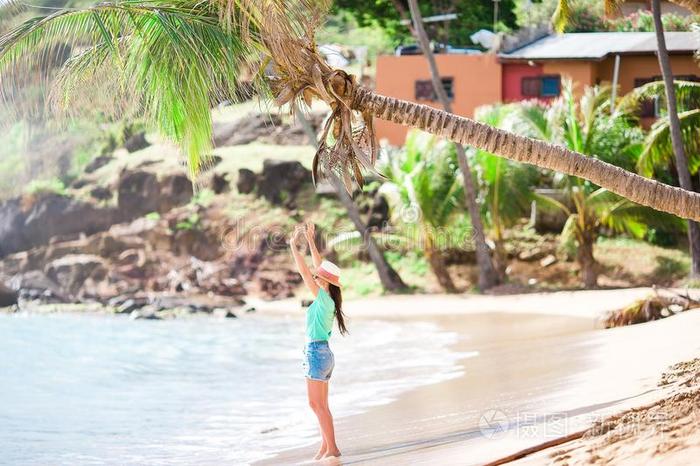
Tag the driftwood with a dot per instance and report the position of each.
(653, 307)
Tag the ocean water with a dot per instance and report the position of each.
(93, 390)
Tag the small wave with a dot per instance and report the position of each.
(112, 391)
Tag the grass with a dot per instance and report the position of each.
(52, 185)
(361, 278)
(641, 261)
(251, 156)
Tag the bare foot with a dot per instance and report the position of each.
(332, 454)
(323, 449)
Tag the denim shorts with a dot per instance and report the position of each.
(318, 361)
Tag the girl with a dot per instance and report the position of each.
(324, 284)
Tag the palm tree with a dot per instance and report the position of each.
(425, 175)
(676, 136)
(488, 275)
(170, 60)
(658, 147)
(560, 19)
(587, 127)
(505, 186)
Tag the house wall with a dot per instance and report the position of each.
(643, 66)
(477, 81)
(589, 73)
(582, 73)
(513, 73)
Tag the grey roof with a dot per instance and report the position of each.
(598, 45)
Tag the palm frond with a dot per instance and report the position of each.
(166, 61)
(426, 176)
(562, 15)
(535, 117)
(550, 204)
(687, 95)
(624, 216)
(658, 147)
(567, 237)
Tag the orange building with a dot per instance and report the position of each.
(534, 71)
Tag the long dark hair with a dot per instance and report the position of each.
(337, 296)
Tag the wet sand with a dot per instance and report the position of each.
(536, 377)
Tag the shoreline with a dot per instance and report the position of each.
(444, 422)
(541, 358)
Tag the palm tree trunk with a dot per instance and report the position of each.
(586, 260)
(439, 268)
(389, 278)
(676, 136)
(512, 146)
(488, 276)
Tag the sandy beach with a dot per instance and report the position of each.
(544, 370)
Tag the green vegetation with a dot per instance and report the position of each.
(51, 186)
(473, 15)
(429, 194)
(505, 186)
(429, 228)
(589, 16)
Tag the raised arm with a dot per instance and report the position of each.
(302, 268)
(311, 239)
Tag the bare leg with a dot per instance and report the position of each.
(318, 400)
(332, 450)
(311, 390)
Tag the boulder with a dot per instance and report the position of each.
(138, 193)
(246, 130)
(281, 180)
(136, 142)
(8, 296)
(246, 182)
(70, 272)
(219, 184)
(130, 305)
(109, 246)
(36, 285)
(265, 128)
(12, 238)
(175, 190)
(197, 243)
(146, 312)
(42, 218)
(97, 163)
(224, 313)
(79, 183)
(101, 193)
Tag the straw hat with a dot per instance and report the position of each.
(329, 272)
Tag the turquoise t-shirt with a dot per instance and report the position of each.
(319, 317)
